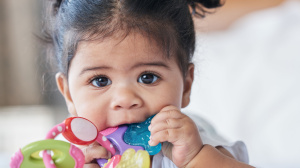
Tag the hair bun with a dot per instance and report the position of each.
(202, 4)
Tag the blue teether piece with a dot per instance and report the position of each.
(138, 134)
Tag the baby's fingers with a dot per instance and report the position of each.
(92, 165)
(166, 113)
(170, 135)
(169, 123)
(94, 152)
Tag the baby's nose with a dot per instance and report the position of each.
(126, 98)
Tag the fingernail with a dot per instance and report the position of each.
(149, 128)
(150, 142)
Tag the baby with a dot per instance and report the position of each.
(122, 61)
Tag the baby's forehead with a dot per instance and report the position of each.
(124, 42)
(134, 47)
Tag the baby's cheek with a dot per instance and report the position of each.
(92, 113)
(172, 96)
(162, 101)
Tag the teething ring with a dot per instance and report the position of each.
(65, 155)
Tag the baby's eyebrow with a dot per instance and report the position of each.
(141, 64)
(93, 68)
(157, 64)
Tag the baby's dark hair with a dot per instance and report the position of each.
(167, 22)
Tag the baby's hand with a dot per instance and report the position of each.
(92, 152)
(175, 127)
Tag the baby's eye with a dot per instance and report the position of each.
(101, 81)
(148, 78)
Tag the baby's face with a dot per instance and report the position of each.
(117, 81)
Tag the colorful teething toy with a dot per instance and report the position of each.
(81, 131)
(64, 155)
(125, 137)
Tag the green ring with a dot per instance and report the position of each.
(61, 157)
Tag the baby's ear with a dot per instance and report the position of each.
(188, 81)
(63, 87)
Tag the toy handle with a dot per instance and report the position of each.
(51, 135)
(48, 159)
(59, 128)
(74, 152)
(16, 159)
(103, 141)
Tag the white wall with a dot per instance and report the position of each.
(247, 84)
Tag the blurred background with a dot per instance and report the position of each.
(246, 81)
(30, 104)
